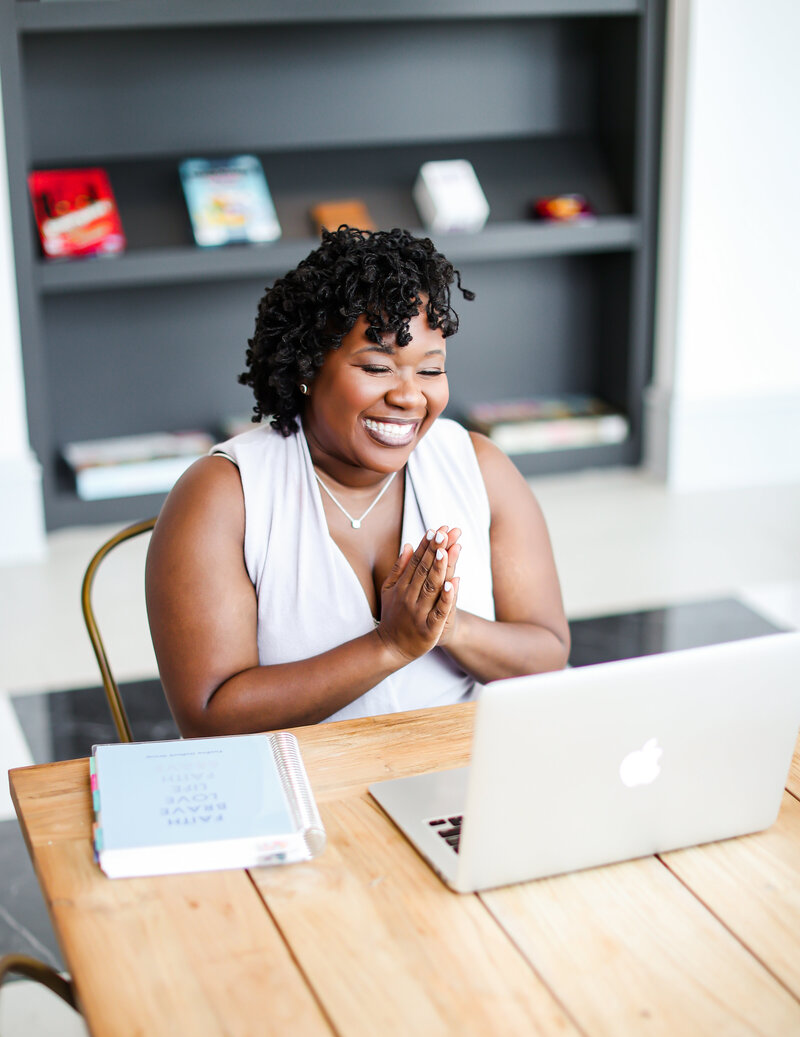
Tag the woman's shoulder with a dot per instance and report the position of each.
(507, 488)
(445, 469)
(464, 447)
(490, 457)
(210, 490)
(449, 437)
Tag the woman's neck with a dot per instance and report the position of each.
(341, 474)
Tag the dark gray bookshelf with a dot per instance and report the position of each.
(34, 16)
(337, 100)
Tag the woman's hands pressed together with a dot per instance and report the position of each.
(418, 598)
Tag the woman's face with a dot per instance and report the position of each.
(370, 404)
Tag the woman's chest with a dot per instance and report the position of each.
(370, 555)
(369, 551)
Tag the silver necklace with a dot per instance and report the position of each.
(356, 522)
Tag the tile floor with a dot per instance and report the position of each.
(642, 570)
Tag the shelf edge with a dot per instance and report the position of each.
(191, 264)
(35, 16)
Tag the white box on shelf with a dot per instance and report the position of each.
(449, 197)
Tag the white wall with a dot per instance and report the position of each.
(724, 408)
(21, 511)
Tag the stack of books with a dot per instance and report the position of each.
(126, 466)
(234, 801)
(543, 423)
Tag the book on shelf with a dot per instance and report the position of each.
(202, 804)
(543, 423)
(228, 200)
(330, 215)
(76, 213)
(127, 466)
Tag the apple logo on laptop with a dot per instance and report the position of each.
(642, 766)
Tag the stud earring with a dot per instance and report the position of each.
(304, 389)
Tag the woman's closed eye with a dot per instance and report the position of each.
(428, 372)
(376, 369)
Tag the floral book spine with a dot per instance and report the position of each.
(97, 830)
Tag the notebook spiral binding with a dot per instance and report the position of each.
(297, 787)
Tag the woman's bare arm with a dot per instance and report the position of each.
(530, 634)
(203, 617)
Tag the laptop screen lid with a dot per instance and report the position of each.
(609, 762)
(620, 760)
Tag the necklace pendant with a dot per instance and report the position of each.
(356, 522)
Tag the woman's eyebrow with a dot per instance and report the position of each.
(375, 347)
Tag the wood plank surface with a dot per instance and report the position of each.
(631, 951)
(343, 758)
(178, 954)
(386, 947)
(753, 885)
(390, 950)
(52, 801)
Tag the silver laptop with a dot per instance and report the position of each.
(605, 763)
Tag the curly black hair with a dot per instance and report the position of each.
(387, 276)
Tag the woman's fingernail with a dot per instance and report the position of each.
(439, 538)
(448, 586)
(429, 535)
(439, 554)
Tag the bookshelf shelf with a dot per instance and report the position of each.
(541, 96)
(175, 265)
(73, 15)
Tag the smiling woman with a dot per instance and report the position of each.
(354, 553)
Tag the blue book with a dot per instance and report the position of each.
(202, 804)
(228, 200)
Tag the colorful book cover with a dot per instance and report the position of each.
(228, 200)
(76, 212)
(202, 804)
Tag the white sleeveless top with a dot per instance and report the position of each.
(310, 599)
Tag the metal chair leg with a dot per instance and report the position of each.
(31, 968)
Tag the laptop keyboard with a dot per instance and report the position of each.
(449, 828)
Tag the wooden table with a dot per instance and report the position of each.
(367, 940)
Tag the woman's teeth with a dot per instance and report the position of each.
(389, 430)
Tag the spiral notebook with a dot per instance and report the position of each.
(202, 804)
